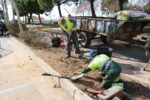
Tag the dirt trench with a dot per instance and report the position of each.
(68, 67)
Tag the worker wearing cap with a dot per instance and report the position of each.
(100, 50)
(69, 27)
(110, 71)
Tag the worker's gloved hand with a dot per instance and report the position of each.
(103, 74)
(86, 70)
(87, 56)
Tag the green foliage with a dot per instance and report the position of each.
(45, 4)
(13, 28)
(109, 4)
(22, 7)
(147, 7)
(33, 7)
(28, 6)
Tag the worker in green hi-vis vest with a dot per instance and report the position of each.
(110, 71)
(69, 27)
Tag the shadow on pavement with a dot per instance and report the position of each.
(129, 69)
(122, 49)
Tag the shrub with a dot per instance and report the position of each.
(13, 28)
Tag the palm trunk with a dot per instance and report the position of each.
(13, 13)
(18, 16)
(4, 14)
(5, 5)
(121, 4)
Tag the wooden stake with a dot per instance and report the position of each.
(146, 65)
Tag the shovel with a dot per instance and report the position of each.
(73, 78)
(76, 77)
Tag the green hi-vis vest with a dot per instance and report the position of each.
(69, 27)
(98, 61)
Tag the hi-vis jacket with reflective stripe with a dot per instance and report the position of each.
(106, 65)
(68, 26)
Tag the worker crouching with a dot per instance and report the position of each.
(110, 71)
(101, 50)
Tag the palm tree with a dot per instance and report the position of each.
(18, 16)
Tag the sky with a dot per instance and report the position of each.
(51, 15)
(54, 14)
(71, 9)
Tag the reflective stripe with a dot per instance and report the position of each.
(106, 65)
(105, 68)
(69, 27)
(118, 84)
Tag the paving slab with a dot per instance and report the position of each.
(4, 52)
(21, 78)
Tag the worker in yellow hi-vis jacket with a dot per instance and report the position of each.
(69, 27)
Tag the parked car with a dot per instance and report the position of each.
(3, 28)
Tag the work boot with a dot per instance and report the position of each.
(68, 56)
(80, 56)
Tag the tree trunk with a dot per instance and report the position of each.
(32, 19)
(4, 14)
(25, 19)
(40, 18)
(18, 16)
(59, 10)
(7, 16)
(121, 4)
(13, 13)
(92, 8)
(29, 18)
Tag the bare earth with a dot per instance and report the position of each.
(131, 60)
(69, 67)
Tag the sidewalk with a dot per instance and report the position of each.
(21, 79)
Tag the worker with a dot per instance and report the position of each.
(110, 71)
(101, 50)
(89, 55)
(70, 29)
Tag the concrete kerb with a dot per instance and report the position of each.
(135, 79)
(76, 93)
